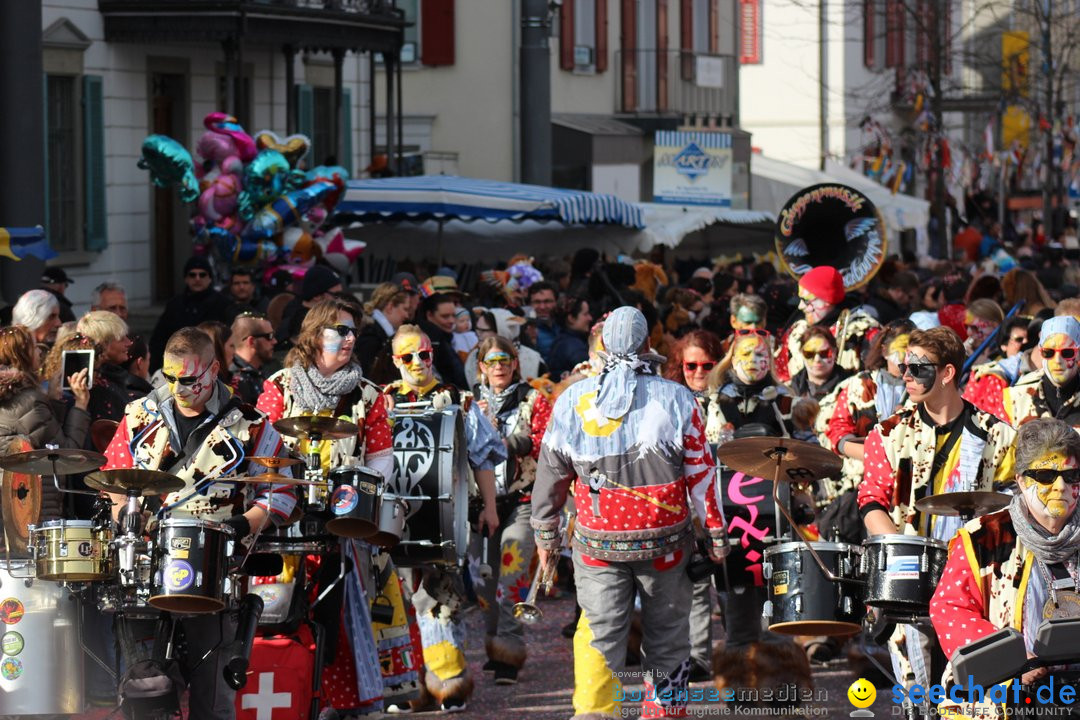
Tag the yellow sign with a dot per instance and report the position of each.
(1015, 126)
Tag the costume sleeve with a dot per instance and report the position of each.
(841, 425)
(554, 473)
(876, 488)
(486, 448)
(118, 454)
(699, 474)
(278, 501)
(541, 415)
(378, 439)
(271, 402)
(1005, 469)
(958, 609)
(987, 393)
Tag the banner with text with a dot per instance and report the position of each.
(692, 168)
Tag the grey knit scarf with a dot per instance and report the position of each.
(315, 392)
(1047, 548)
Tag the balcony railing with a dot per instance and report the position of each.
(673, 82)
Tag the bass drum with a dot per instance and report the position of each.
(431, 473)
(41, 671)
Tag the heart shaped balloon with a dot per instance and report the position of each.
(294, 147)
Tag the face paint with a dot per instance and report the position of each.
(823, 356)
(331, 341)
(1052, 504)
(750, 359)
(897, 347)
(977, 331)
(416, 373)
(747, 317)
(1058, 368)
(185, 366)
(813, 308)
(919, 386)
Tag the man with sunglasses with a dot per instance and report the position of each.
(1054, 390)
(943, 444)
(198, 302)
(437, 601)
(197, 430)
(254, 338)
(1018, 567)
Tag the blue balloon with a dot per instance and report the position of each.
(170, 164)
(266, 177)
(286, 210)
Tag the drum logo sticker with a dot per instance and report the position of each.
(414, 453)
(780, 582)
(86, 549)
(12, 643)
(180, 543)
(368, 488)
(11, 668)
(344, 500)
(11, 611)
(902, 567)
(179, 575)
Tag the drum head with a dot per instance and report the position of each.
(816, 627)
(20, 500)
(187, 604)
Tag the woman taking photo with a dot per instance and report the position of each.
(520, 415)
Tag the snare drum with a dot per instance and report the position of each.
(902, 572)
(70, 550)
(802, 600)
(189, 565)
(391, 522)
(354, 502)
(41, 672)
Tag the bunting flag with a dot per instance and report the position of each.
(18, 243)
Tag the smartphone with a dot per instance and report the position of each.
(72, 361)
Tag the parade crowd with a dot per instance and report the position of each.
(592, 393)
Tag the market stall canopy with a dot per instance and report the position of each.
(773, 182)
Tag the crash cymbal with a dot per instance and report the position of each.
(271, 479)
(964, 504)
(134, 480)
(326, 428)
(20, 502)
(40, 462)
(275, 463)
(757, 456)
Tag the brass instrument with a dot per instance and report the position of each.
(528, 612)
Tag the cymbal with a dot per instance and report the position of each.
(276, 462)
(956, 504)
(20, 502)
(40, 462)
(135, 481)
(270, 478)
(326, 428)
(758, 456)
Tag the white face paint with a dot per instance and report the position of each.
(750, 358)
(814, 308)
(1050, 504)
(199, 372)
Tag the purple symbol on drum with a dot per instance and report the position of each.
(11, 668)
(179, 575)
(344, 500)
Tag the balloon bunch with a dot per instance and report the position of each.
(253, 202)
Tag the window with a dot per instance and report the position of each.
(64, 168)
(322, 130)
(429, 39)
(702, 26)
(583, 28)
(410, 50)
(585, 34)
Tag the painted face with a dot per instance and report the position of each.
(921, 373)
(190, 379)
(696, 366)
(498, 367)
(813, 307)
(750, 358)
(1058, 368)
(977, 331)
(409, 354)
(819, 356)
(1054, 503)
(897, 348)
(338, 341)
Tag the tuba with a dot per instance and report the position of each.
(831, 224)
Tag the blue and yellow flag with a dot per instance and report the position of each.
(17, 243)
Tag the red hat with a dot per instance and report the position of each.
(824, 282)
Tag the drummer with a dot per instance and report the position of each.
(321, 377)
(1015, 567)
(442, 629)
(197, 430)
(943, 444)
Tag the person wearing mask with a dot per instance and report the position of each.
(39, 312)
(54, 280)
(242, 295)
(820, 374)
(571, 346)
(320, 283)
(198, 302)
(253, 339)
(438, 325)
(542, 300)
(520, 415)
(195, 428)
(112, 297)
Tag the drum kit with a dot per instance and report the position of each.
(824, 588)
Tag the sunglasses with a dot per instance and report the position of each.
(1049, 477)
(753, 331)
(923, 372)
(499, 359)
(264, 336)
(1018, 339)
(185, 380)
(343, 330)
(198, 274)
(823, 354)
(407, 358)
(1066, 353)
(693, 366)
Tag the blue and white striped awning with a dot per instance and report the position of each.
(445, 197)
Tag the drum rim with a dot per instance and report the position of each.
(195, 522)
(819, 546)
(49, 524)
(362, 469)
(901, 539)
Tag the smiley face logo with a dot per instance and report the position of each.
(862, 693)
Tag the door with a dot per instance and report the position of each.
(169, 223)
